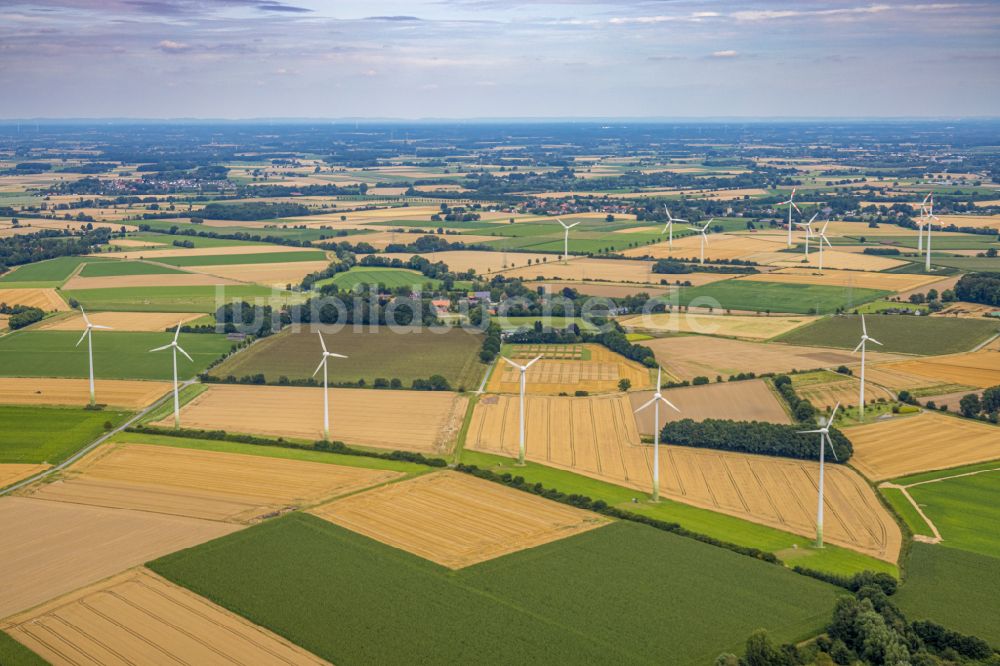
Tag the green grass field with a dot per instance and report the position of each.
(791, 548)
(897, 333)
(371, 354)
(966, 263)
(512, 323)
(117, 355)
(49, 271)
(13, 653)
(906, 511)
(171, 299)
(373, 275)
(965, 509)
(314, 583)
(880, 305)
(31, 434)
(232, 259)
(962, 242)
(956, 588)
(775, 297)
(115, 268)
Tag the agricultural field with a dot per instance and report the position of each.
(598, 437)
(391, 278)
(425, 421)
(230, 254)
(51, 548)
(55, 271)
(750, 400)
(117, 354)
(43, 299)
(775, 297)
(457, 520)
(130, 395)
(30, 434)
(749, 327)
(204, 297)
(229, 487)
(119, 321)
(892, 282)
(584, 269)
(11, 473)
(123, 268)
(719, 246)
(596, 370)
(605, 289)
(824, 389)
(279, 275)
(898, 333)
(481, 261)
(372, 353)
(137, 617)
(174, 280)
(686, 357)
(920, 443)
(979, 369)
(537, 595)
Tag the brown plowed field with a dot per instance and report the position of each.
(928, 441)
(457, 520)
(750, 400)
(734, 326)
(426, 421)
(121, 321)
(138, 617)
(51, 548)
(597, 437)
(44, 299)
(266, 274)
(600, 374)
(862, 279)
(164, 280)
(11, 473)
(44, 391)
(980, 369)
(691, 356)
(230, 487)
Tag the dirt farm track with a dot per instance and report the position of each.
(597, 437)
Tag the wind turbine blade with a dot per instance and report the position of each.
(677, 219)
(796, 207)
(319, 366)
(336, 355)
(321, 342)
(876, 342)
(807, 432)
(184, 352)
(103, 328)
(864, 328)
(813, 218)
(161, 348)
(833, 414)
(532, 361)
(85, 331)
(572, 225)
(512, 363)
(830, 442)
(794, 189)
(85, 319)
(559, 220)
(825, 225)
(645, 405)
(177, 333)
(668, 403)
(858, 347)
(659, 378)
(825, 239)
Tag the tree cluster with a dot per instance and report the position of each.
(979, 288)
(771, 439)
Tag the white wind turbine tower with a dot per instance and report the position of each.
(523, 369)
(930, 217)
(655, 401)
(824, 438)
(823, 239)
(87, 333)
(566, 237)
(924, 210)
(326, 388)
(704, 237)
(862, 345)
(670, 225)
(809, 231)
(174, 347)
(791, 204)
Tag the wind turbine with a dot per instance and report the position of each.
(824, 438)
(566, 237)
(823, 239)
(931, 217)
(791, 204)
(326, 388)
(809, 231)
(670, 225)
(655, 401)
(175, 348)
(87, 333)
(523, 369)
(861, 345)
(704, 237)
(924, 211)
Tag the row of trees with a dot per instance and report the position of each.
(48, 244)
(802, 409)
(982, 406)
(771, 439)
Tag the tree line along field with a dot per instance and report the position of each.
(117, 355)
(775, 296)
(553, 598)
(30, 434)
(897, 333)
(372, 353)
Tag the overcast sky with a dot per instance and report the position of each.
(486, 58)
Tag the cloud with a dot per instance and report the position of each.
(399, 19)
(270, 6)
(170, 46)
(725, 54)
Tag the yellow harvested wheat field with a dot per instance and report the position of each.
(686, 357)
(165, 280)
(138, 617)
(608, 270)
(44, 299)
(732, 326)
(928, 441)
(751, 400)
(426, 421)
(846, 391)
(481, 261)
(121, 321)
(230, 487)
(835, 278)
(834, 259)
(457, 520)
(51, 548)
(279, 275)
(600, 374)
(11, 473)
(129, 394)
(980, 369)
(719, 246)
(153, 255)
(598, 437)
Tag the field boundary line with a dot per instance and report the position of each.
(985, 342)
(918, 537)
(954, 476)
(97, 442)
